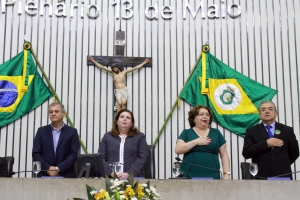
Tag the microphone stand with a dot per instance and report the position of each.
(179, 159)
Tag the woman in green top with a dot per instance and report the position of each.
(201, 145)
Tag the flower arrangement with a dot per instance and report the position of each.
(123, 190)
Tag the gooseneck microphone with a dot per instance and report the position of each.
(277, 176)
(179, 159)
(19, 172)
(130, 167)
(285, 174)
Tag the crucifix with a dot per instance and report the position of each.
(117, 64)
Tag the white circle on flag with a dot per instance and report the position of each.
(227, 96)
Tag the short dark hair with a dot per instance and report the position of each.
(115, 130)
(195, 111)
(267, 101)
(62, 107)
(121, 68)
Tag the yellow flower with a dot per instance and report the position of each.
(130, 191)
(125, 194)
(140, 191)
(100, 195)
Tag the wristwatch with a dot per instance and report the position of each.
(57, 169)
(227, 173)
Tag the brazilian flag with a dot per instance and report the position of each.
(232, 96)
(21, 87)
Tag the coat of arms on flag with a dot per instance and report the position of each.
(21, 87)
(232, 96)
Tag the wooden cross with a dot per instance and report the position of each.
(119, 54)
(121, 94)
(126, 61)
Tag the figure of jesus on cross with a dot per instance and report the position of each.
(118, 72)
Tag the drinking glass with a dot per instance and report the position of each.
(116, 167)
(36, 167)
(176, 169)
(253, 169)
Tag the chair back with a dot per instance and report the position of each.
(10, 163)
(150, 164)
(245, 171)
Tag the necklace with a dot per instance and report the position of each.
(207, 131)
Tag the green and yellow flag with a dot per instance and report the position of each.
(233, 97)
(21, 87)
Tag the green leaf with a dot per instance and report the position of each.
(107, 196)
(108, 185)
(88, 190)
(117, 195)
(135, 185)
(148, 184)
(115, 175)
(130, 179)
(135, 188)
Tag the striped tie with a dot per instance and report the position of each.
(269, 131)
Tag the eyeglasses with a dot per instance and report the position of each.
(267, 109)
(204, 114)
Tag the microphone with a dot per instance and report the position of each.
(130, 167)
(179, 159)
(286, 174)
(13, 173)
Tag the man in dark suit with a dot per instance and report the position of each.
(3, 167)
(273, 146)
(56, 145)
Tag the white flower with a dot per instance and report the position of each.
(117, 183)
(122, 197)
(93, 192)
(144, 185)
(152, 189)
(156, 194)
(112, 180)
(133, 198)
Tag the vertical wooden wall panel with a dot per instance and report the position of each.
(262, 43)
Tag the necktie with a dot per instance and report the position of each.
(269, 131)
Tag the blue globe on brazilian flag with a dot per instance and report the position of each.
(232, 96)
(21, 87)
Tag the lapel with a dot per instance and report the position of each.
(263, 131)
(50, 137)
(63, 132)
(280, 128)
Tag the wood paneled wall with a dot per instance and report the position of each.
(261, 43)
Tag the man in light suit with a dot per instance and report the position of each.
(273, 146)
(56, 145)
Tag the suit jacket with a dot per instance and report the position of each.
(271, 161)
(3, 168)
(66, 151)
(135, 153)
